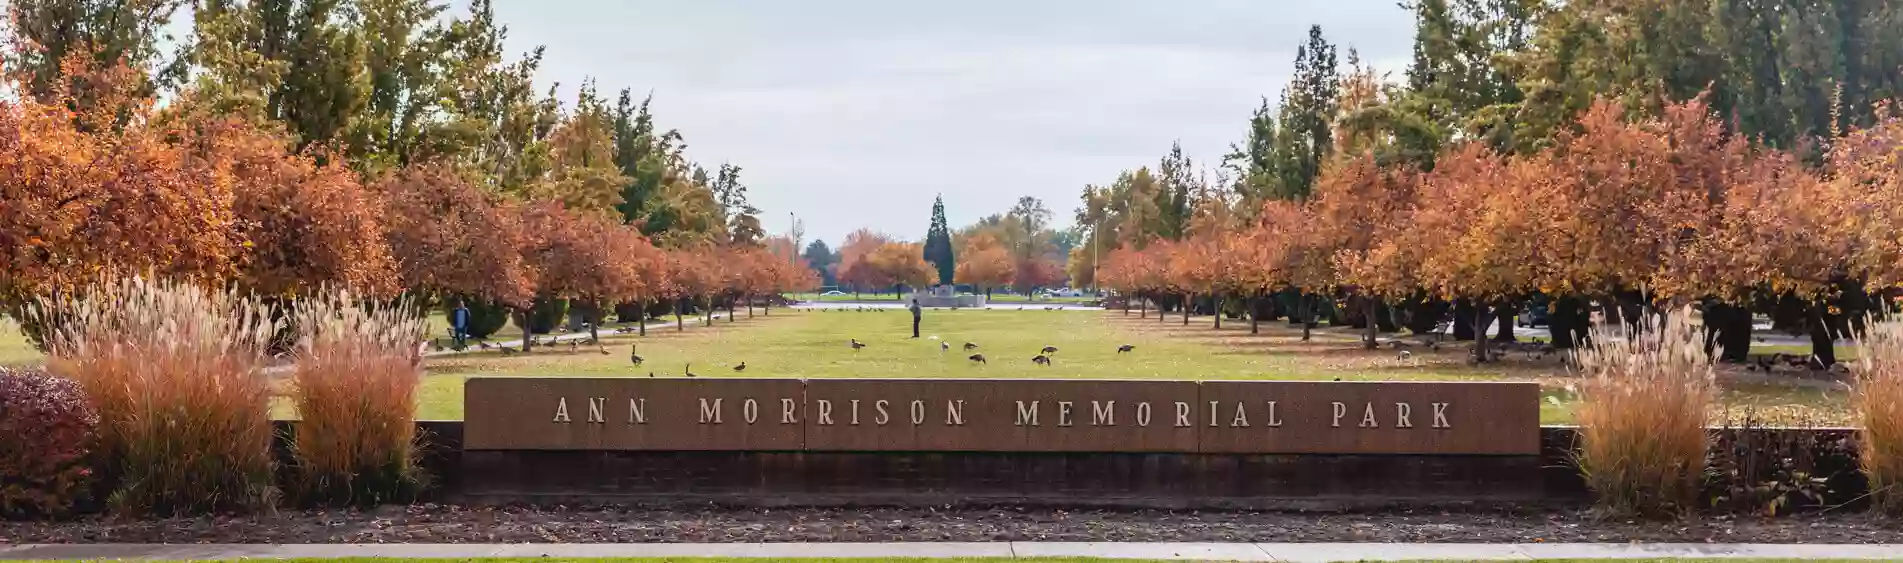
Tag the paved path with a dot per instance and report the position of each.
(1185, 551)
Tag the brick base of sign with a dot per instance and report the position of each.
(917, 479)
(1055, 479)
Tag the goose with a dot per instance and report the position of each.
(1125, 348)
(980, 358)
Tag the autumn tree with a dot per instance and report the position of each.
(984, 264)
(903, 264)
(449, 238)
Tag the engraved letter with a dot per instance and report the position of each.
(637, 411)
(955, 412)
(1274, 420)
(1143, 414)
(1241, 419)
(750, 410)
(1340, 411)
(883, 417)
(1212, 414)
(1063, 413)
(1103, 414)
(595, 405)
(1367, 417)
(709, 411)
(787, 408)
(1440, 415)
(1182, 414)
(855, 412)
(1401, 410)
(825, 412)
(1027, 416)
(561, 410)
(918, 412)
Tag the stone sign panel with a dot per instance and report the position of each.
(1014, 415)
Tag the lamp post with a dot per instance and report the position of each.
(1096, 247)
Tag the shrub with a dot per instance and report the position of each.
(1878, 404)
(46, 429)
(355, 387)
(176, 374)
(485, 316)
(547, 314)
(1644, 399)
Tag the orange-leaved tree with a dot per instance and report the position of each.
(984, 264)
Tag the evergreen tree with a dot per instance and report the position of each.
(743, 219)
(938, 243)
(1253, 160)
(40, 34)
(1309, 106)
(821, 259)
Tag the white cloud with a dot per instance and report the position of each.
(855, 113)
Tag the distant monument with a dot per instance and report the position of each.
(945, 296)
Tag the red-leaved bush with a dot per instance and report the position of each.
(46, 430)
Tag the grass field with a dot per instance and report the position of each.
(995, 298)
(14, 348)
(813, 344)
(941, 560)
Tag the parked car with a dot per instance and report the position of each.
(834, 292)
(1532, 314)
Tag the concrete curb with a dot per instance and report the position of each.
(1181, 551)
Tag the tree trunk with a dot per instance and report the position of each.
(1562, 322)
(528, 340)
(1463, 320)
(1218, 299)
(708, 315)
(1821, 345)
(1255, 314)
(1480, 324)
(749, 298)
(1384, 316)
(1143, 306)
(1728, 332)
(1372, 305)
(1303, 310)
(679, 325)
(1504, 315)
(1187, 297)
(594, 324)
(766, 307)
(642, 319)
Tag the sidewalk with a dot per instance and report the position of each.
(1185, 551)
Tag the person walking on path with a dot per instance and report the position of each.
(915, 315)
(459, 324)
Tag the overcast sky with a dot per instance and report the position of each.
(855, 113)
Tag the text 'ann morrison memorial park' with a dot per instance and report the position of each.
(843, 415)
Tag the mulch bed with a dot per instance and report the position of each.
(435, 523)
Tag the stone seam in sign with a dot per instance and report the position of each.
(1010, 415)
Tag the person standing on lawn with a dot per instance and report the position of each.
(915, 315)
(459, 324)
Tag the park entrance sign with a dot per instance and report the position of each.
(1011, 415)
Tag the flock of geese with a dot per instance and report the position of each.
(1043, 357)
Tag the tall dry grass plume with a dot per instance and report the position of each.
(176, 373)
(1878, 406)
(355, 385)
(1644, 399)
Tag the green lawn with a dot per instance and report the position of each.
(930, 560)
(995, 298)
(14, 348)
(813, 344)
